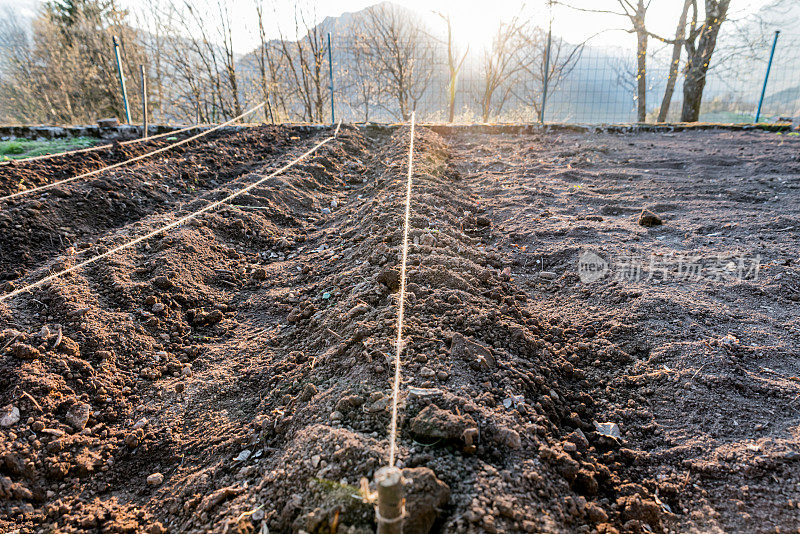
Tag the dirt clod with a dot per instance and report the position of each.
(648, 219)
(217, 497)
(434, 423)
(425, 497)
(474, 353)
(162, 282)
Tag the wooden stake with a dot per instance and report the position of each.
(390, 510)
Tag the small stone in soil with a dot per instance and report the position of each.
(426, 372)
(78, 415)
(610, 430)
(9, 416)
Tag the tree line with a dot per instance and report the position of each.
(63, 70)
(697, 35)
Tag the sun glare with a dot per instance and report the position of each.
(474, 28)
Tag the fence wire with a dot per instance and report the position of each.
(586, 84)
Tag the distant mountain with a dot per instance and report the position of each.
(777, 15)
(595, 78)
(599, 88)
(24, 9)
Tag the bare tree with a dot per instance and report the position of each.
(64, 72)
(454, 67)
(677, 46)
(195, 73)
(396, 41)
(266, 68)
(304, 61)
(360, 78)
(635, 13)
(191, 63)
(500, 65)
(153, 42)
(18, 75)
(229, 65)
(700, 44)
(625, 73)
(208, 56)
(563, 59)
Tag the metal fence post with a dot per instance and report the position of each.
(546, 75)
(330, 73)
(766, 76)
(122, 80)
(144, 101)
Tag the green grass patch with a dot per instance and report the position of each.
(344, 491)
(24, 148)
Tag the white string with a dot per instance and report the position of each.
(137, 158)
(99, 147)
(380, 519)
(401, 306)
(169, 226)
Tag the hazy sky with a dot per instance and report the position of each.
(474, 21)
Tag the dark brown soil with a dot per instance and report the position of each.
(237, 371)
(66, 218)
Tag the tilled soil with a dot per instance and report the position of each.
(68, 219)
(701, 373)
(235, 374)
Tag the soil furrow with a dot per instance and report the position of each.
(73, 216)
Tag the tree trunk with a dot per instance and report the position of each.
(680, 34)
(403, 103)
(641, 74)
(451, 89)
(698, 61)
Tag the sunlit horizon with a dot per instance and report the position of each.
(473, 24)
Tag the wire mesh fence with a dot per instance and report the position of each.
(585, 84)
(388, 61)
